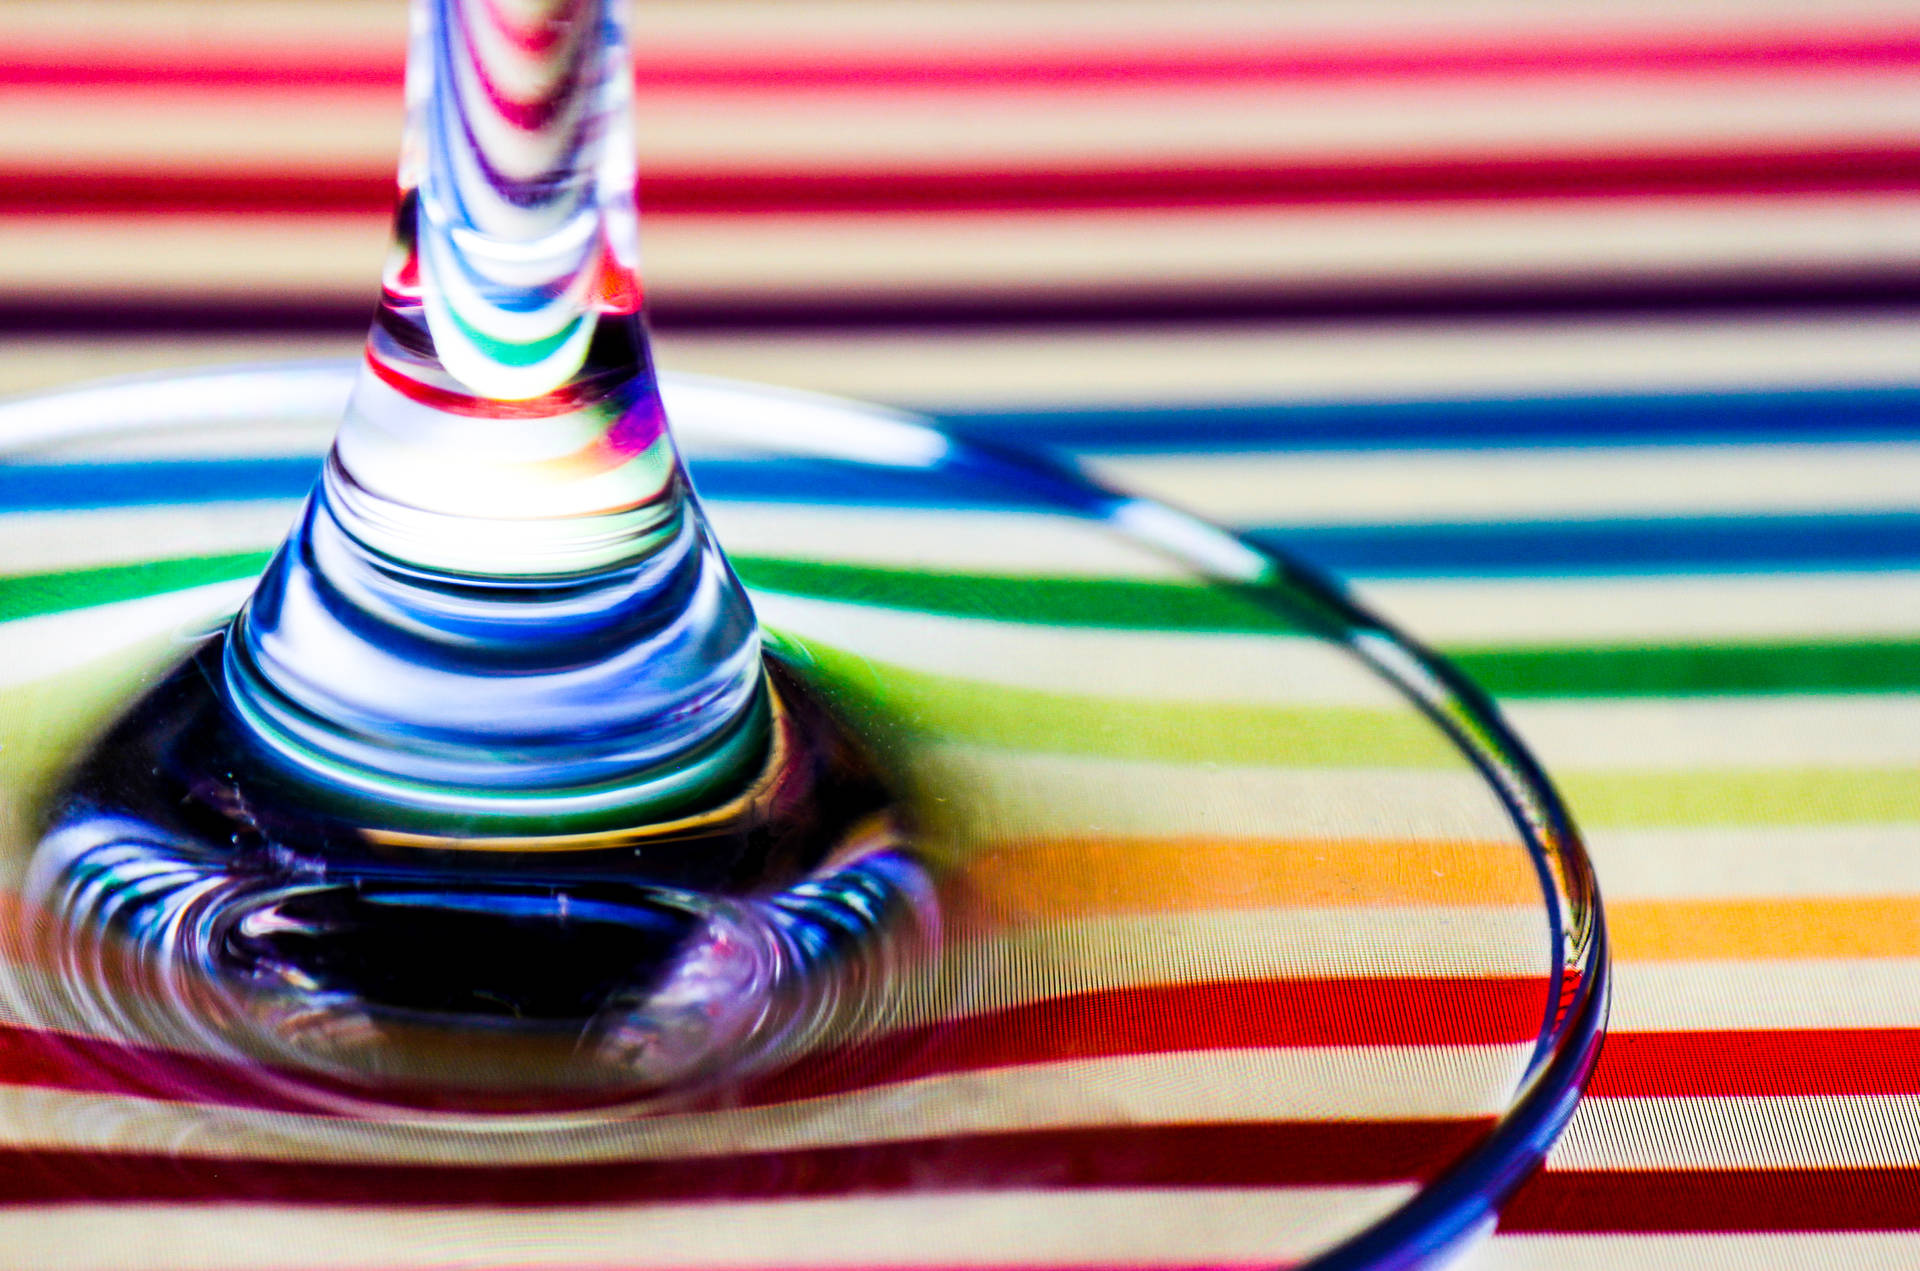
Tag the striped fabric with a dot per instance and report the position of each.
(1586, 342)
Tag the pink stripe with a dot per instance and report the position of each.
(1666, 52)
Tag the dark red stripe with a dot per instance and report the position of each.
(1269, 1155)
(1841, 1061)
(39, 191)
(1646, 1202)
(1157, 1020)
(1665, 52)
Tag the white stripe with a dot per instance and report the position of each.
(1226, 1087)
(1652, 610)
(1825, 1132)
(1139, 1227)
(1852, 860)
(1730, 732)
(1151, 665)
(1014, 795)
(1829, 993)
(1782, 1251)
(1491, 485)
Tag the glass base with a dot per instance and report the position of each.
(1260, 938)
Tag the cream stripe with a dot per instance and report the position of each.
(1032, 545)
(44, 542)
(1312, 1084)
(978, 125)
(1679, 609)
(1186, 363)
(1042, 958)
(1034, 795)
(1864, 860)
(1828, 1132)
(30, 364)
(1836, 993)
(1518, 485)
(956, 27)
(1233, 247)
(1182, 1226)
(1152, 665)
(51, 644)
(1784, 1251)
(1028, 544)
(1731, 732)
(1190, 363)
(826, 257)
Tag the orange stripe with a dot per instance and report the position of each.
(1071, 878)
(1772, 928)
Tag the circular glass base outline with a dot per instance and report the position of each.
(1448, 1210)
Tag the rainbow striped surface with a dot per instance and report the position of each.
(1586, 342)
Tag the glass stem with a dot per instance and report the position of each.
(502, 596)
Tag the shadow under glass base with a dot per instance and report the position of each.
(1251, 934)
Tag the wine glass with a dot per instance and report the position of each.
(1202, 917)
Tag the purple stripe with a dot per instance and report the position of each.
(294, 314)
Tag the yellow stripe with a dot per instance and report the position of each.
(1760, 796)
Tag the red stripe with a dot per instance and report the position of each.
(40, 191)
(1278, 1154)
(1787, 1062)
(1664, 52)
(1697, 1201)
(1156, 1020)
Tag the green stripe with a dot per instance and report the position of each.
(1117, 603)
(1757, 797)
(30, 595)
(943, 708)
(1856, 666)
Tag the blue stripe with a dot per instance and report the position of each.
(1805, 415)
(57, 487)
(1729, 544)
(1759, 543)
(73, 486)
